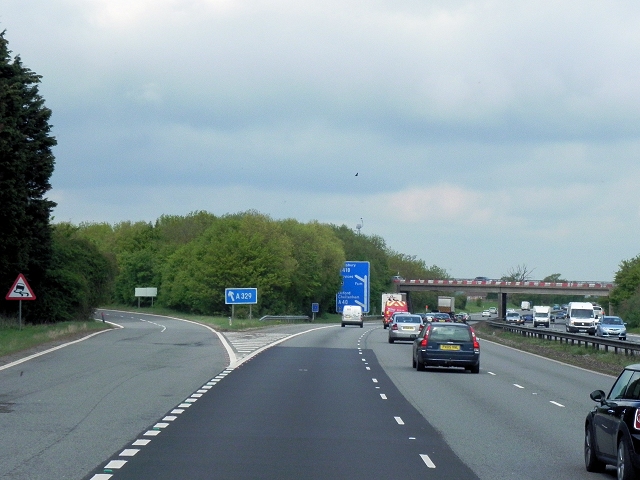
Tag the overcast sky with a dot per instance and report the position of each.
(475, 135)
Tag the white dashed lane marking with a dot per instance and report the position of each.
(399, 420)
(425, 458)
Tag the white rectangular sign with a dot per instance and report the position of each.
(147, 292)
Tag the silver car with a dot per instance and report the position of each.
(404, 327)
(610, 326)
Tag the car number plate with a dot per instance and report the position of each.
(449, 347)
(408, 328)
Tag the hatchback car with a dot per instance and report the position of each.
(441, 317)
(612, 427)
(611, 326)
(447, 345)
(404, 327)
(486, 313)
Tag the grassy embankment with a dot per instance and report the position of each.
(581, 356)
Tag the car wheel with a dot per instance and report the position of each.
(591, 461)
(625, 468)
(343, 324)
(384, 326)
(475, 368)
(420, 365)
(362, 325)
(622, 338)
(413, 361)
(390, 340)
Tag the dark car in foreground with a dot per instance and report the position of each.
(612, 428)
(447, 345)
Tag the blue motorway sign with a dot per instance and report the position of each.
(355, 286)
(240, 296)
(315, 307)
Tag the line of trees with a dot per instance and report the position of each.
(191, 260)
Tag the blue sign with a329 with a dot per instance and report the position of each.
(355, 286)
(240, 296)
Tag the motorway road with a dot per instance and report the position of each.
(331, 403)
(62, 413)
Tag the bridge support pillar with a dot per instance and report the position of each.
(502, 305)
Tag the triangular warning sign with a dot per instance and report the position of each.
(20, 290)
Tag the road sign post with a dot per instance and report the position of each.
(240, 296)
(20, 291)
(355, 286)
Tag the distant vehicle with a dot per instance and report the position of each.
(397, 279)
(447, 345)
(390, 307)
(559, 315)
(481, 279)
(486, 313)
(404, 327)
(352, 315)
(597, 312)
(447, 304)
(541, 316)
(611, 326)
(527, 317)
(441, 317)
(611, 427)
(580, 318)
(514, 317)
(525, 305)
(493, 310)
(556, 307)
(386, 297)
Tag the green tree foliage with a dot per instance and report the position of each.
(192, 259)
(319, 257)
(26, 165)
(79, 274)
(246, 250)
(625, 297)
(627, 280)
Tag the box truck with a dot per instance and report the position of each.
(541, 316)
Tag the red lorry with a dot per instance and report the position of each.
(390, 308)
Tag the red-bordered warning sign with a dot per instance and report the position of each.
(20, 290)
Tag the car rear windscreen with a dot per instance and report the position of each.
(448, 333)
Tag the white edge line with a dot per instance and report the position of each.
(545, 358)
(44, 352)
(225, 344)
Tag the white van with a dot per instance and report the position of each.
(352, 315)
(580, 318)
(541, 316)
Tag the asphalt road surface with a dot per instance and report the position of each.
(158, 399)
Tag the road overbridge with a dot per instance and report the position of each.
(503, 288)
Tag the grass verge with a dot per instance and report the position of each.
(581, 356)
(14, 340)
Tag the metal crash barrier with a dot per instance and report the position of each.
(286, 318)
(617, 346)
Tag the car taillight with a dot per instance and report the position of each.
(425, 339)
(636, 422)
(394, 326)
(476, 344)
